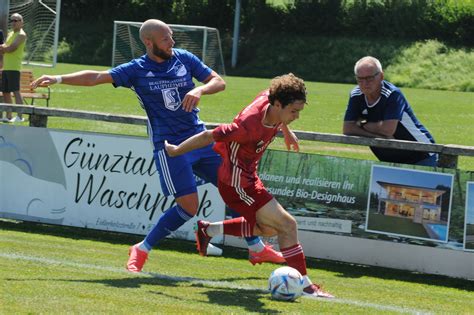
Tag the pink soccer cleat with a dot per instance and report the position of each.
(137, 259)
(315, 291)
(268, 254)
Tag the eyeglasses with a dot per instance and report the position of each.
(367, 79)
(15, 20)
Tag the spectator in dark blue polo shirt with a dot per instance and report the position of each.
(378, 109)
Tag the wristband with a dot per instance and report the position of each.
(59, 79)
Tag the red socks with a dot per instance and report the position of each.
(237, 227)
(295, 258)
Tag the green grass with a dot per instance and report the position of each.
(447, 114)
(52, 269)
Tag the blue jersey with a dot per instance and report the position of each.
(392, 104)
(160, 88)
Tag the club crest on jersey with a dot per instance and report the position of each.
(179, 69)
(171, 98)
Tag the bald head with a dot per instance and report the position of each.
(157, 37)
(150, 27)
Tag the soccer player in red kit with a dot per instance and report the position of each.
(241, 145)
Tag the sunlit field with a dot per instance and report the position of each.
(52, 269)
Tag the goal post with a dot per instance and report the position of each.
(41, 25)
(202, 41)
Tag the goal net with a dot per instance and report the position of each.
(202, 41)
(41, 25)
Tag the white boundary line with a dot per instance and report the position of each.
(217, 284)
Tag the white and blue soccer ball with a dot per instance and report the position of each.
(286, 284)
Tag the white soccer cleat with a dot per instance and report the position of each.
(315, 291)
(213, 250)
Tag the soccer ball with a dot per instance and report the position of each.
(285, 284)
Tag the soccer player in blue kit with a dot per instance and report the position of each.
(163, 82)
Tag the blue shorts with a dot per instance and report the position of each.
(177, 174)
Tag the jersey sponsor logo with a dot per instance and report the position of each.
(171, 98)
(158, 85)
(150, 74)
(261, 145)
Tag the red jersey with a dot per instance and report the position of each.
(242, 143)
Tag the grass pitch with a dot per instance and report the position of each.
(52, 269)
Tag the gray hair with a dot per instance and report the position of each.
(368, 60)
(17, 15)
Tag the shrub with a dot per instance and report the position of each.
(432, 65)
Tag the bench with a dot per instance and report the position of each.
(27, 91)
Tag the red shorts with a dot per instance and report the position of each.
(246, 201)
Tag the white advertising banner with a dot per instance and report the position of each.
(97, 181)
(411, 217)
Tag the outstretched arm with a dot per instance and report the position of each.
(83, 78)
(197, 141)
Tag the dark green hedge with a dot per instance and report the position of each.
(315, 58)
(87, 27)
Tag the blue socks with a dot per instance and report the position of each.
(255, 244)
(169, 222)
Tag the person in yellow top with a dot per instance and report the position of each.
(2, 39)
(12, 51)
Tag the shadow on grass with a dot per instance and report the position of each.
(247, 299)
(341, 269)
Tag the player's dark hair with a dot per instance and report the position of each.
(287, 89)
